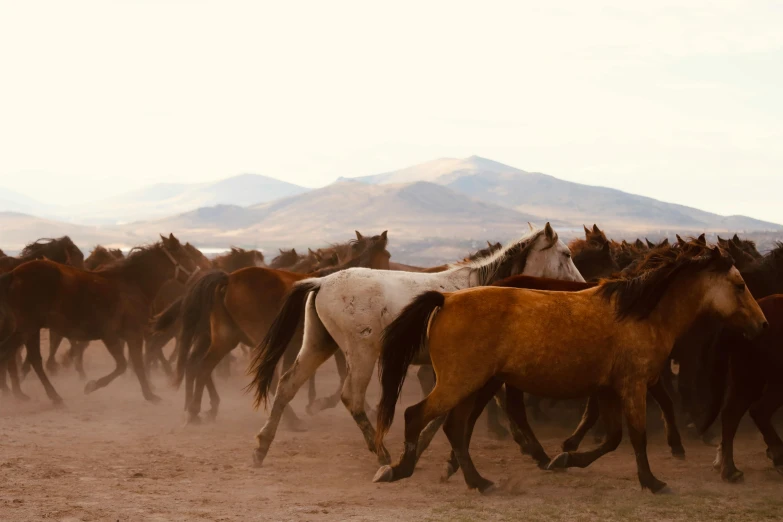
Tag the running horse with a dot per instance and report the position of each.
(612, 340)
(221, 310)
(349, 310)
(111, 305)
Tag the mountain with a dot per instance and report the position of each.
(21, 229)
(550, 197)
(416, 210)
(166, 199)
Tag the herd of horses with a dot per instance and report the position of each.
(595, 320)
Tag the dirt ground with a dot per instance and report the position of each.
(112, 456)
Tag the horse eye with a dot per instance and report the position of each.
(567, 254)
(740, 287)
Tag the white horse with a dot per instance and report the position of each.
(349, 310)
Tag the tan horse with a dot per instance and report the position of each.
(612, 340)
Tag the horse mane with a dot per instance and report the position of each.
(496, 266)
(638, 296)
(135, 258)
(46, 247)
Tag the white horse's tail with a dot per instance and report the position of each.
(272, 348)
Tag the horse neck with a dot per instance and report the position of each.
(763, 279)
(149, 276)
(678, 309)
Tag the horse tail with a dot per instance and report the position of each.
(401, 341)
(195, 309)
(168, 317)
(276, 340)
(718, 376)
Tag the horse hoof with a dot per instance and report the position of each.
(448, 473)
(384, 474)
(192, 419)
(664, 490)
(58, 403)
(154, 399)
(709, 439)
(734, 476)
(258, 458)
(23, 397)
(211, 416)
(309, 410)
(90, 387)
(570, 445)
(678, 453)
(559, 462)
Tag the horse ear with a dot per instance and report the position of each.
(639, 243)
(550, 234)
(680, 240)
(385, 235)
(596, 229)
(664, 243)
(650, 243)
(715, 253)
(173, 239)
(489, 245)
(587, 231)
(531, 226)
(310, 251)
(736, 238)
(607, 247)
(359, 236)
(702, 239)
(335, 258)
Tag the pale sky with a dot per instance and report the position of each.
(680, 101)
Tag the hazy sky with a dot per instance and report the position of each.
(674, 100)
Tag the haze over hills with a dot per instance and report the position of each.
(429, 207)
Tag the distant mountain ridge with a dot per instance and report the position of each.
(546, 196)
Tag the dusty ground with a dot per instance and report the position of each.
(112, 456)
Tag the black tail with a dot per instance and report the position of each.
(272, 348)
(195, 308)
(402, 340)
(168, 317)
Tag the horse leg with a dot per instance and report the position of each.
(116, 350)
(153, 351)
(136, 353)
(354, 396)
(761, 413)
(292, 421)
(459, 429)
(495, 427)
(523, 434)
(635, 409)
(333, 400)
(736, 405)
(33, 343)
(13, 373)
(610, 413)
(55, 340)
(200, 348)
(589, 418)
(79, 348)
(317, 347)
(664, 400)
(217, 351)
(479, 401)
(444, 398)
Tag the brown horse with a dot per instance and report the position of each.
(286, 259)
(222, 310)
(748, 375)
(101, 256)
(111, 304)
(61, 250)
(237, 258)
(613, 340)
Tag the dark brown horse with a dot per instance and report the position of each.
(748, 375)
(286, 259)
(222, 310)
(111, 305)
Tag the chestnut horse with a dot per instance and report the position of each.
(222, 310)
(101, 256)
(111, 304)
(613, 339)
